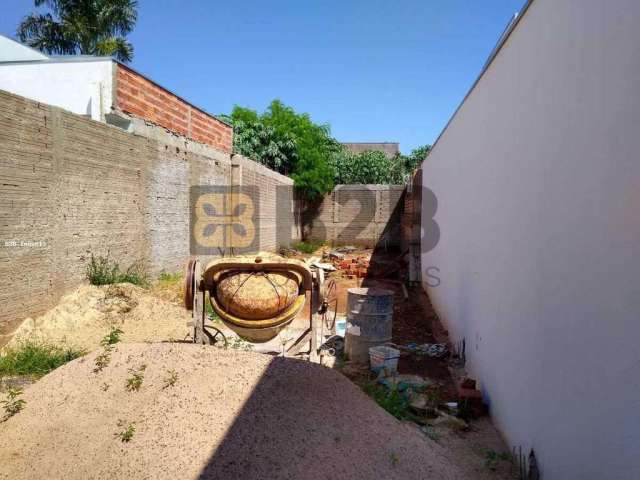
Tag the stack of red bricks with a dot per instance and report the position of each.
(355, 267)
(469, 394)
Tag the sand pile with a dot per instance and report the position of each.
(84, 316)
(230, 414)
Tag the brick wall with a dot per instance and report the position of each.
(71, 187)
(359, 215)
(138, 96)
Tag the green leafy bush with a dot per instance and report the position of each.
(103, 271)
(307, 247)
(373, 167)
(35, 358)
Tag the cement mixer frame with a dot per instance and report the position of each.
(199, 281)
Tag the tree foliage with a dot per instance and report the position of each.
(367, 167)
(89, 27)
(292, 144)
(288, 142)
(376, 167)
(415, 158)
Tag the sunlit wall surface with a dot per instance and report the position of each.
(537, 179)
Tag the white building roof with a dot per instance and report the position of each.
(13, 51)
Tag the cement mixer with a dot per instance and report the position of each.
(256, 297)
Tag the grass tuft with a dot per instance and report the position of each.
(35, 358)
(170, 277)
(171, 379)
(391, 400)
(238, 343)
(103, 271)
(125, 435)
(307, 247)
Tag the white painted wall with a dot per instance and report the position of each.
(538, 186)
(82, 87)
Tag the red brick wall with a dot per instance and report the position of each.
(140, 97)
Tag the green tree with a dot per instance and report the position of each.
(370, 167)
(288, 142)
(89, 27)
(415, 158)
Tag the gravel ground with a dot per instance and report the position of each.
(230, 414)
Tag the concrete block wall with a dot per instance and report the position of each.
(366, 215)
(274, 193)
(411, 224)
(138, 96)
(71, 187)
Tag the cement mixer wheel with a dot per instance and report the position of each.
(215, 337)
(190, 284)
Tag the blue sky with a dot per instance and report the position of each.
(375, 70)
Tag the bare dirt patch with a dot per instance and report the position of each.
(228, 414)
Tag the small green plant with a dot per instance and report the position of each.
(103, 271)
(211, 314)
(35, 358)
(103, 359)
(238, 343)
(492, 459)
(104, 387)
(135, 381)
(171, 379)
(431, 433)
(170, 277)
(391, 400)
(125, 435)
(112, 337)
(393, 457)
(307, 247)
(13, 404)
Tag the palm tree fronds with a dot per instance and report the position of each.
(117, 47)
(90, 27)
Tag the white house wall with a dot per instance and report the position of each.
(82, 87)
(538, 185)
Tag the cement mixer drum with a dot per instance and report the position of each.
(257, 295)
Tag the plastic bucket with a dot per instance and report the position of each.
(385, 357)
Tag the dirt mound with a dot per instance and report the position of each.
(230, 414)
(84, 316)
